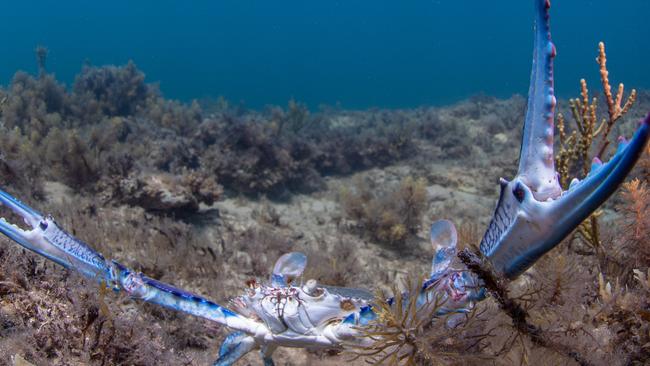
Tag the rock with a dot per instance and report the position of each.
(501, 138)
(165, 193)
(18, 360)
(159, 193)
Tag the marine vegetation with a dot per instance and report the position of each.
(390, 218)
(436, 318)
(574, 156)
(111, 127)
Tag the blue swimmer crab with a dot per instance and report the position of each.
(533, 215)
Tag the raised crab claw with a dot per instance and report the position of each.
(532, 216)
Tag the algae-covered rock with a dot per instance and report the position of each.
(179, 195)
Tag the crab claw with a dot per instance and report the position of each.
(49, 240)
(533, 214)
(524, 228)
(29, 215)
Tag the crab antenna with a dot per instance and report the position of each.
(536, 165)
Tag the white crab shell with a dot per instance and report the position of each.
(302, 310)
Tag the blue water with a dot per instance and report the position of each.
(360, 53)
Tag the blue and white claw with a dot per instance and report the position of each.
(533, 213)
(524, 228)
(48, 239)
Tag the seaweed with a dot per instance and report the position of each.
(250, 160)
(256, 249)
(336, 261)
(392, 218)
(69, 159)
(112, 124)
(20, 163)
(34, 105)
(109, 91)
(292, 121)
(41, 59)
(404, 335)
(635, 223)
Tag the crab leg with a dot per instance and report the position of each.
(235, 346)
(49, 240)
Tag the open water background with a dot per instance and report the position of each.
(356, 53)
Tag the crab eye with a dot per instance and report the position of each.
(519, 193)
(43, 225)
